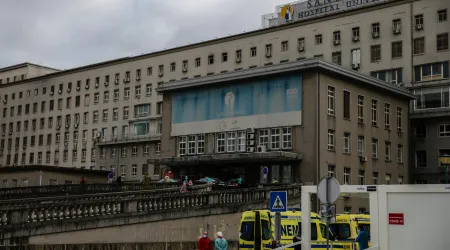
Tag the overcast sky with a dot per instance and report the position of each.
(66, 34)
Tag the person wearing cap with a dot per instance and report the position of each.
(204, 243)
(220, 243)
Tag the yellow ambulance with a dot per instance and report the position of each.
(256, 230)
(345, 228)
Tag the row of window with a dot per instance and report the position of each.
(347, 177)
(421, 157)
(237, 141)
(431, 98)
(25, 109)
(346, 109)
(443, 130)
(124, 151)
(14, 79)
(145, 170)
(361, 146)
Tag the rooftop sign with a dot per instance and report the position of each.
(315, 8)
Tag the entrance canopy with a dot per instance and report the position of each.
(276, 156)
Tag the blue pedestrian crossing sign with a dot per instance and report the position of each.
(278, 201)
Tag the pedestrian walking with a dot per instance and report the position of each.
(204, 243)
(220, 243)
(362, 239)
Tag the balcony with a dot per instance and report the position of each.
(114, 140)
(431, 102)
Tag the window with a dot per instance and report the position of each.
(388, 179)
(437, 97)
(418, 21)
(142, 110)
(224, 57)
(375, 53)
(268, 50)
(442, 15)
(400, 180)
(275, 138)
(231, 141)
(419, 45)
(421, 131)
(374, 113)
(421, 158)
(347, 176)
(210, 59)
(134, 150)
(355, 34)
(138, 74)
(191, 146)
(361, 177)
(397, 49)
(331, 100)
(185, 65)
(241, 146)
(387, 110)
(182, 145)
(87, 100)
(197, 62)
(95, 116)
(126, 93)
(115, 114)
(126, 112)
(148, 89)
(346, 105)
(284, 46)
(318, 39)
(400, 153)
(264, 137)
(331, 143)
(399, 119)
(397, 26)
(105, 115)
(123, 171)
(134, 169)
(96, 98)
(301, 44)
(337, 37)
(161, 70)
(360, 109)
(158, 149)
(137, 91)
(375, 30)
(116, 95)
(442, 42)
(220, 142)
(336, 58)
(124, 152)
(253, 51)
(201, 144)
(331, 170)
(106, 97)
(172, 67)
(374, 148)
(287, 138)
(387, 151)
(149, 71)
(361, 146)
(393, 76)
(444, 130)
(375, 178)
(346, 143)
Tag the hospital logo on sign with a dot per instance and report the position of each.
(287, 13)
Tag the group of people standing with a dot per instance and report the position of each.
(204, 243)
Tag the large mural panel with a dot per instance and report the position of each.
(243, 103)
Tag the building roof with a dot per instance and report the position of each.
(212, 41)
(301, 65)
(23, 65)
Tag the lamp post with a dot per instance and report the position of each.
(445, 161)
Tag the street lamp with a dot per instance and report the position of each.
(445, 161)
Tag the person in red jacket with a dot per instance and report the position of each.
(204, 243)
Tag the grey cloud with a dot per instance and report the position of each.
(66, 34)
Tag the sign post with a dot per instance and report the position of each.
(328, 192)
(278, 204)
